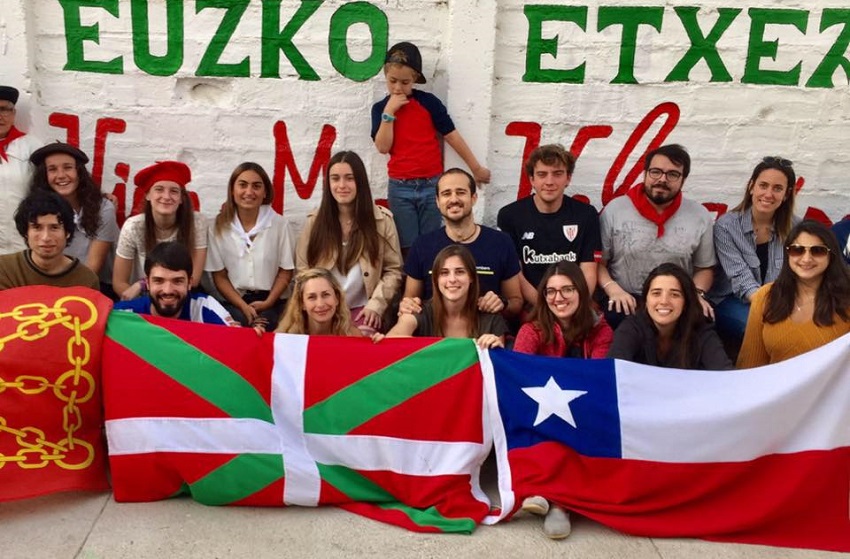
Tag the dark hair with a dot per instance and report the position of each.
(470, 308)
(675, 153)
(228, 210)
(584, 318)
(833, 294)
(457, 171)
(88, 194)
(44, 202)
(325, 243)
(785, 212)
(550, 154)
(685, 333)
(169, 254)
(185, 222)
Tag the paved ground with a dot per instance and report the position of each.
(90, 526)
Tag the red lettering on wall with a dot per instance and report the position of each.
(102, 129)
(531, 132)
(671, 110)
(284, 161)
(71, 123)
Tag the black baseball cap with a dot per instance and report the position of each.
(407, 54)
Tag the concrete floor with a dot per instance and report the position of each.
(93, 526)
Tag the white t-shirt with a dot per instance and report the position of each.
(131, 241)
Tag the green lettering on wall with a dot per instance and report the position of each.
(631, 18)
(76, 34)
(836, 56)
(209, 64)
(703, 47)
(379, 29)
(275, 40)
(758, 48)
(170, 62)
(536, 46)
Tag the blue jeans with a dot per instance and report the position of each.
(730, 317)
(414, 206)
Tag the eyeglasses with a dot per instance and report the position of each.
(6, 111)
(777, 161)
(656, 173)
(817, 251)
(565, 291)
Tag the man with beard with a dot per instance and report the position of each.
(168, 272)
(651, 225)
(496, 260)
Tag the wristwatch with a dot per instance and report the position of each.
(387, 118)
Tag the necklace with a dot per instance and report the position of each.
(805, 303)
(466, 238)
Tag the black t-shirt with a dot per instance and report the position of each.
(571, 233)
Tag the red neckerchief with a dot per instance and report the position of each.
(13, 134)
(647, 210)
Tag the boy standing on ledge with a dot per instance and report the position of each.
(405, 124)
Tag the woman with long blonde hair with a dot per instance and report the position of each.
(317, 307)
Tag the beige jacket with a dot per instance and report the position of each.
(382, 282)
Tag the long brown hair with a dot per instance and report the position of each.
(185, 222)
(88, 195)
(690, 322)
(470, 307)
(228, 210)
(325, 242)
(580, 323)
(294, 319)
(833, 294)
(784, 214)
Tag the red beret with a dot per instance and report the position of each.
(174, 171)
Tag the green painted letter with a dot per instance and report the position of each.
(275, 40)
(630, 18)
(822, 76)
(379, 28)
(209, 65)
(759, 48)
(76, 34)
(703, 46)
(170, 62)
(537, 46)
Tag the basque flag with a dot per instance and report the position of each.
(753, 456)
(392, 431)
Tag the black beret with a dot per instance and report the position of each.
(39, 155)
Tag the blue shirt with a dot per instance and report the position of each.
(494, 253)
(842, 232)
(196, 308)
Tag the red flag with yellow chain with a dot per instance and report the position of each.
(51, 417)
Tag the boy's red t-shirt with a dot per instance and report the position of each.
(416, 151)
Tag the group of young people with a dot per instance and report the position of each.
(644, 282)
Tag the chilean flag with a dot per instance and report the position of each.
(753, 456)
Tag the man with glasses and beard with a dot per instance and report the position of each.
(168, 272)
(650, 225)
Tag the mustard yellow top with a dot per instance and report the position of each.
(771, 343)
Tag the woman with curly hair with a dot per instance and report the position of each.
(61, 168)
(317, 307)
(806, 307)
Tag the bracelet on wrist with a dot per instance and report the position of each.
(606, 284)
(387, 117)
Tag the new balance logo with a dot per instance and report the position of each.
(528, 236)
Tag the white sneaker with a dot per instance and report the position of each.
(557, 523)
(536, 505)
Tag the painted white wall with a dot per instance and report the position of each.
(474, 58)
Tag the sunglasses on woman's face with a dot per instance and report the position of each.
(817, 251)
